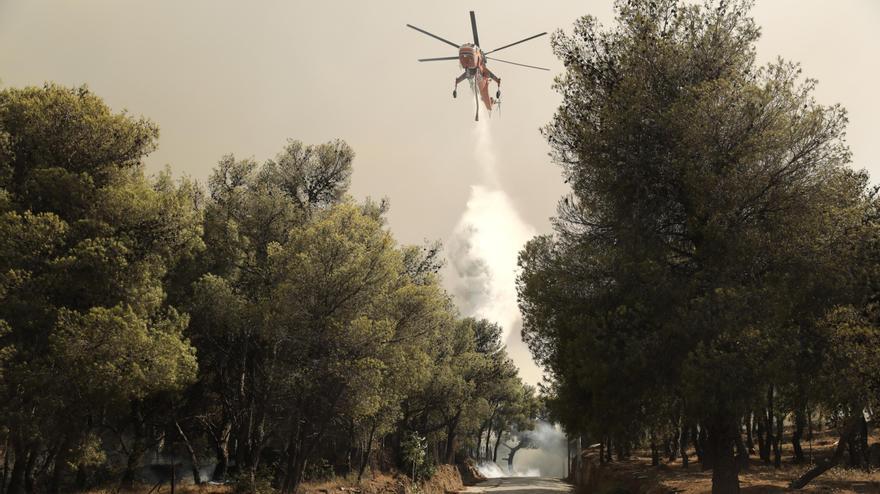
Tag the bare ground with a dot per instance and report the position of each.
(758, 478)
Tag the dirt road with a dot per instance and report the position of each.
(521, 485)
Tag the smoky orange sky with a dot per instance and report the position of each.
(242, 77)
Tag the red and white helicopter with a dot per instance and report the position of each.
(473, 60)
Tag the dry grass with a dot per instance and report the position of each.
(381, 483)
(758, 478)
(165, 489)
(446, 479)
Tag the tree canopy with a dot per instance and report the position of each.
(713, 224)
(268, 323)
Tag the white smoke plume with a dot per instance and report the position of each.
(549, 458)
(482, 256)
(486, 243)
(491, 470)
(546, 457)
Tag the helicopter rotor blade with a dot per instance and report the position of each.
(474, 28)
(437, 59)
(433, 36)
(518, 42)
(515, 63)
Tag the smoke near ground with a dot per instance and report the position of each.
(549, 459)
(546, 459)
(493, 471)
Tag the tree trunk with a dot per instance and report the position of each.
(16, 480)
(295, 464)
(750, 441)
(221, 449)
(608, 448)
(510, 456)
(82, 477)
(59, 466)
(222, 466)
(742, 454)
(810, 432)
(133, 461)
(138, 446)
(684, 446)
(763, 440)
(798, 434)
(772, 440)
(697, 449)
(489, 423)
(863, 442)
(296, 478)
(240, 442)
(858, 444)
(450, 439)
(297, 455)
(707, 460)
(5, 476)
(618, 448)
(846, 434)
(777, 444)
(673, 445)
(488, 440)
(29, 481)
(369, 451)
(772, 444)
(193, 458)
(725, 471)
(436, 454)
(853, 453)
(497, 443)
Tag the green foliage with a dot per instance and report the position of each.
(338, 333)
(64, 145)
(113, 353)
(258, 483)
(319, 470)
(849, 375)
(271, 321)
(712, 222)
(414, 456)
(87, 240)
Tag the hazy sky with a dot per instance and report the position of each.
(242, 77)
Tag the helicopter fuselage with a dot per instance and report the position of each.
(470, 56)
(472, 60)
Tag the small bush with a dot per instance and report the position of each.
(415, 457)
(319, 470)
(616, 490)
(260, 484)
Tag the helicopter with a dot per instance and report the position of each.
(474, 61)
